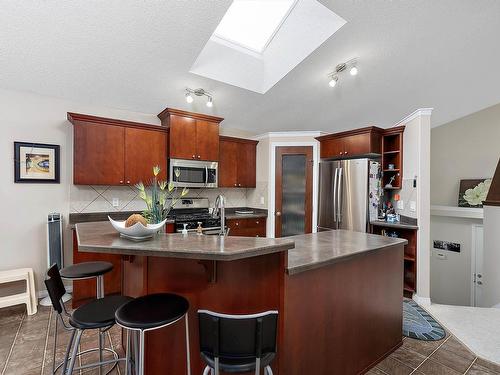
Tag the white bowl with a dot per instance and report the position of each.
(137, 231)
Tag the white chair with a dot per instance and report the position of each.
(28, 297)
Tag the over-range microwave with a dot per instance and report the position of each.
(193, 173)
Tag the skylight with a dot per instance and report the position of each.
(252, 24)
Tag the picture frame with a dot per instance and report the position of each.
(466, 184)
(36, 163)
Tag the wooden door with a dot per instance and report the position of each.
(182, 137)
(293, 190)
(332, 148)
(143, 150)
(228, 152)
(207, 140)
(246, 165)
(99, 155)
(358, 144)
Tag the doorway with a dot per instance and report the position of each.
(293, 190)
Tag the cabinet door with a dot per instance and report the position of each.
(143, 150)
(332, 148)
(99, 155)
(228, 161)
(182, 137)
(358, 144)
(207, 140)
(246, 164)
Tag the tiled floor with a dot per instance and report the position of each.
(26, 343)
(26, 349)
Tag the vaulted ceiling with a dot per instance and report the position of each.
(136, 55)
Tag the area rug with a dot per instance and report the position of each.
(418, 324)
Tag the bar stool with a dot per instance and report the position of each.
(237, 343)
(97, 314)
(148, 313)
(83, 271)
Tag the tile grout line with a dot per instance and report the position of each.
(46, 343)
(429, 356)
(472, 364)
(13, 343)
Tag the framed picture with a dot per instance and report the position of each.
(472, 192)
(36, 163)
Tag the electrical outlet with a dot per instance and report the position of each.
(116, 202)
(413, 206)
(400, 205)
(262, 200)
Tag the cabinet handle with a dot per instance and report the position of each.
(345, 152)
(257, 235)
(128, 182)
(194, 156)
(257, 222)
(239, 184)
(235, 184)
(340, 152)
(121, 181)
(237, 224)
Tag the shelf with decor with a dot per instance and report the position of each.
(392, 158)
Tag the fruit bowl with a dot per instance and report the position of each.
(138, 231)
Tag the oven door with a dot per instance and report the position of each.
(193, 173)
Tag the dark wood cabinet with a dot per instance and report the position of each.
(237, 162)
(392, 158)
(115, 152)
(364, 141)
(192, 135)
(247, 227)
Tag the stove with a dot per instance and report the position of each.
(192, 211)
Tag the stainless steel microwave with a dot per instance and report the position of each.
(193, 173)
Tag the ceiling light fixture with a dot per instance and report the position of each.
(199, 92)
(340, 68)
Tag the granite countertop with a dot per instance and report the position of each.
(401, 224)
(317, 250)
(100, 237)
(257, 213)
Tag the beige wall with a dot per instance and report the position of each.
(465, 148)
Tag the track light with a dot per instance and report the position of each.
(199, 92)
(340, 68)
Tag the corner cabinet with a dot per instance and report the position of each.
(353, 143)
(115, 152)
(237, 162)
(191, 135)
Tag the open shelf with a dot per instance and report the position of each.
(391, 170)
(391, 152)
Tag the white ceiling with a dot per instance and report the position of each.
(136, 55)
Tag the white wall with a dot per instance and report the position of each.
(491, 265)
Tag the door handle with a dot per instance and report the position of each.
(278, 213)
(335, 195)
(339, 198)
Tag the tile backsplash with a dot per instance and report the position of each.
(86, 198)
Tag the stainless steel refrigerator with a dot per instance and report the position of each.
(349, 193)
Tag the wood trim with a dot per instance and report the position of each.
(82, 119)
(493, 198)
(198, 116)
(347, 133)
(239, 140)
(394, 130)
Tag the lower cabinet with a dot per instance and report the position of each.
(247, 227)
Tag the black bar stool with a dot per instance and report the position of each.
(97, 314)
(148, 313)
(89, 270)
(237, 343)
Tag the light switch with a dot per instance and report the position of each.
(400, 205)
(116, 202)
(413, 206)
(440, 256)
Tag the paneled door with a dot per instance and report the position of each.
(293, 195)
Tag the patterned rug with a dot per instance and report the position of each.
(418, 324)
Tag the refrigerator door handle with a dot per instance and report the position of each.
(339, 197)
(335, 186)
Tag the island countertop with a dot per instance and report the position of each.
(100, 237)
(320, 249)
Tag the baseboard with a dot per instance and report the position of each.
(43, 293)
(422, 301)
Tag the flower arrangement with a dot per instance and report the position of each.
(159, 197)
(477, 195)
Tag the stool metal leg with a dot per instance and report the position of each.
(188, 357)
(68, 349)
(207, 370)
(268, 370)
(74, 353)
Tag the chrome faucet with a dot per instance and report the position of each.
(220, 210)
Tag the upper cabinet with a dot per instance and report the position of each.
(237, 162)
(364, 141)
(114, 152)
(191, 135)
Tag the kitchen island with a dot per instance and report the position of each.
(338, 293)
